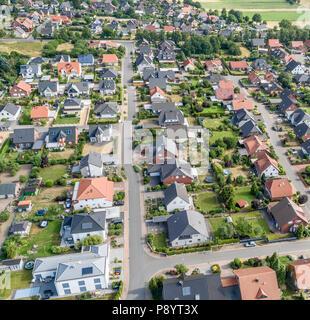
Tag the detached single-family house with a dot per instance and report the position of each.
(176, 197)
(78, 272)
(10, 112)
(91, 165)
(260, 65)
(238, 65)
(188, 64)
(249, 128)
(214, 65)
(99, 133)
(25, 138)
(104, 110)
(294, 67)
(93, 192)
(274, 44)
(254, 145)
(20, 90)
(73, 106)
(297, 47)
(86, 60)
(107, 87)
(59, 137)
(39, 113)
(187, 228)
(168, 118)
(48, 89)
(22, 228)
(24, 205)
(299, 274)
(266, 165)
(302, 131)
(277, 189)
(69, 69)
(144, 61)
(110, 59)
(158, 95)
(30, 71)
(240, 117)
(82, 225)
(287, 215)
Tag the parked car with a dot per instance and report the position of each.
(119, 203)
(274, 128)
(250, 244)
(43, 224)
(116, 221)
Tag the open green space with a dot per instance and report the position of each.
(245, 194)
(220, 135)
(53, 172)
(207, 201)
(249, 4)
(216, 223)
(45, 239)
(275, 15)
(160, 240)
(33, 49)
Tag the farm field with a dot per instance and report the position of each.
(33, 49)
(275, 15)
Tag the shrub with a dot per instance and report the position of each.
(236, 263)
(58, 249)
(49, 183)
(4, 216)
(216, 269)
(22, 179)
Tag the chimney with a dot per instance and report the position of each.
(256, 279)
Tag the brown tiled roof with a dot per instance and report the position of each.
(39, 112)
(241, 203)
(109, 58)
(264, 161)
(274, 43)
(258, 283)
(157, 89)
(302, 272)
(226, 84)
(238, 64)
(68, 67)
(229, 282)
(242, 104)
(279, 188)
(254, 144)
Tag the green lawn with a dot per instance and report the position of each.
(274, 15)
(45, 239)
(210, 123)
(245, 194)
(53, 172)
(250, 4)
(216, 223)
(19, 280)
(207, 201)
(160, 240)
(66, 120)
(33, 49)
(220, 134)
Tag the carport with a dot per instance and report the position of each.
(26, 293)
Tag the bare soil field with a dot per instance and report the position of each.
(106, 148)
(6, 177)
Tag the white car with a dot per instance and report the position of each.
(250, 244)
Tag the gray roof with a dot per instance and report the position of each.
(102, 128)
(258, 42)
(306, 146)
(52, 85)
(159, 106)
(7, 188)
(93, 158)
(175, 190)
(174, 168)
(69, 133)
(259, 64)
(186, 223)
(194, 287)
(62, 58)
(302, 129)
(73, 266)
(299, 116)
(19, 226)
(78, 87)
(249, 127)
(23, 135)
(86, 222)
(143, 59)
(11, 108)
(285, 211)
(241, 115)
(291, 65)
(12, 262)
(106, 108)
(107, 84)
(72, 102)
(157, 82)
(167, 117)
(108, 73)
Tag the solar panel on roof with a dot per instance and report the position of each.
(88, 270)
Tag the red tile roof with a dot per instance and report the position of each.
(280, 188)
(39, 112)
(274, 43)
(95, 188)
(226, 84)
(242, 104)
(68, 67)
(238, 65)
(155, 90)
(109, 58)
(254, 144)
(264, 161)
(168, 28)
(24, 86)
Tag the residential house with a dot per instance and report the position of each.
(302, 131)
(214, 65)
(107, 87)
(305, 147)
(144, 61)
(62, 58)
(188, 64)
(265, 165)
(225, 90)
(86, 60)
(69, 69)
(9, 190)
(277, 189)
(24, 138)
(100, 133)
(254, 145)
(249, 128)
(91, 165)
(24, 205)
(40, 113)
(260, 65)
(194, 287)
(258, 43)
(297, 47)
(163, 150)
(93, 193)
(299, 116)
(20, 90)
(158, 95)
(287, 215)
(274, 44)
(238, 66)
(109, 74)
(163, 106)
(242, 103)
(12, 264)
(76, 273)
(294, 67)
(106, 110)
(287, 106)
(157, 82)
(254, 78)
(298, 273)
(22, 228)
(60, 137)
(176, 197)
(240, 117)
(76, 89)
(10, 112)
(30, 71)
(166, 56)
(73, 106)
(82, 225)
(187, 228)
(110, 59)
(170, 117)
(48, 89)
(259, 283)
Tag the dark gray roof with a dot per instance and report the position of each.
(107, 84)
(7, 188)
(11, 108)
(186, 223)
(174, 168)
(145, 49)
(86, 222)
(285, 104)
(72, 102)
(78, 87)
(157, 82)
(299, 116)
(241, 115)
(306, 146)
(258, 42)
(103, 129)
(93, 158)
(37, 60)
(106, 108)
(291, 65)
(302, 78)
(170, 117)
(302, 129)
(249, 127)
(62, 58)
(166, 44)
(194, 287)
(175, 190)
(108, 73)
(143, 59)
(23, 135)
(215, 78)
(19, 226)
(52, 85)
(12, 262)
(69, 133)
(260, 64)
(159, 106)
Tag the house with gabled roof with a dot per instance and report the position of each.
(187, 228)
(106, 110)
(39, 113)
(60, 137)
(20, 89)
(240, 117)
(238, 65)
(110, 59)
(158, 95)
(10, 112)
(294, 67)
(91, 165)
(176, 197)
(76, 89)
(287, 215)
(249, 128)
(69, 69)
(274, 44)
(48, 89)
(277, 189)
(24, 138)
(265, 165)
(299, 274)
(93, 192)
(302, 131)
(254, 145)
(99, 133)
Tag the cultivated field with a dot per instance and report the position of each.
(33, 49)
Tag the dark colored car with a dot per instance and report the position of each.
(47, 294)
(116, 221)
(119, 203)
